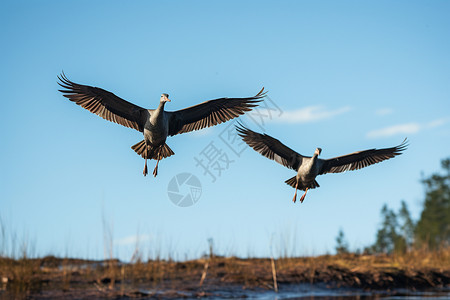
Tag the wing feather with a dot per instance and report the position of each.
(210, 113)
(104, 104)
(271, 148)
(360, 159)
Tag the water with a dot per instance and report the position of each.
(308, 291)
(348, 294)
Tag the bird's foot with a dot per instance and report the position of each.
(303, 196)
(155, 171)
(295, 194)
(145, 172)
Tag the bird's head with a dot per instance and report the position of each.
(164, 98)
(318, 151)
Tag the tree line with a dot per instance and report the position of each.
(399, 233)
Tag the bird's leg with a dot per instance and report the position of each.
(155, 171)
(304, 195)
(145, 168)
(295, 195)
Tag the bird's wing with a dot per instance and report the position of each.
(271, 148)
(360, 159)
(210, 113)
(104, 103)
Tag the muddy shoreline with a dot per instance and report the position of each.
(52, 277)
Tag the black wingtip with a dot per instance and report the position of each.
(261, 93)
(62, 76)
(241, 129)
(63, 80)
(239, 125)
(403, 146)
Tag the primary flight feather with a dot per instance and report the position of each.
(307, 167)
(156, 124)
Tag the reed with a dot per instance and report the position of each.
(23, 275)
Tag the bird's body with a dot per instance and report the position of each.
(156, 128)
(307, 171)
(308, 168)
(156, 124)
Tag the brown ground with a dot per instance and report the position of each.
(71, 278)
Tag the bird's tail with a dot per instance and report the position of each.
(149, 152)
(301, 186)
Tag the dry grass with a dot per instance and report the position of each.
(21, 276)
(110, 277)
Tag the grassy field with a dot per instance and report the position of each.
(74, 278)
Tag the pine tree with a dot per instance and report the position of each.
(382, 244)
(407, 226)
(388, 240)
(433, 228)
(341, 243)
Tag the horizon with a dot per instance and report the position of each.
(344, 77)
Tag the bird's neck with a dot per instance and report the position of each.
(160, 108)
(314, 158)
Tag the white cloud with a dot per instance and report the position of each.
(204, 132)
(132, 240)
(310, 114)
(437, 123)
(384, 111)
(404, 129)
(409, 128)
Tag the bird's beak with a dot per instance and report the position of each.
(168, 100)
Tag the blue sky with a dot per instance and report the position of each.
(346, 76)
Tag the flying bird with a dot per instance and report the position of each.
(309, 167)
(156, 124)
